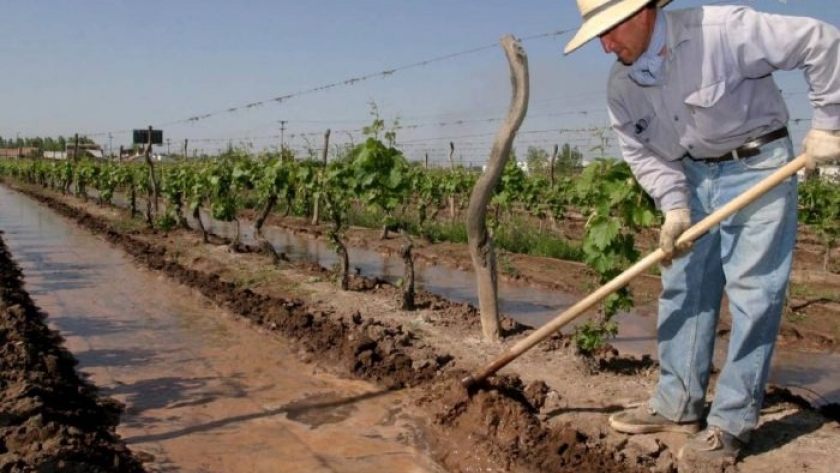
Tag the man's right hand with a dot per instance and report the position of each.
(676, 222)
(821, 146)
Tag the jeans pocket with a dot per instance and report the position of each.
(773, 155)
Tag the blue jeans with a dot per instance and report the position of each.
(748, 255)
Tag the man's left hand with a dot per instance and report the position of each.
(821, 147)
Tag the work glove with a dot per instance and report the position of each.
(821, 147)
(676, 222)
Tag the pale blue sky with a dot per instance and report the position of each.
(105, 67)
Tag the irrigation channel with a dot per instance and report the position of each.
(807, 374)
(202, 393)
(810, 375)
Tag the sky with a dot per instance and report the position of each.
(258, 73)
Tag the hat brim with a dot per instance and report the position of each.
(605, 20)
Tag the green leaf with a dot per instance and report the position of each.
(603, 233)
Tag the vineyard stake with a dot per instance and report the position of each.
(640, 267)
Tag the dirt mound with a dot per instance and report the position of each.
(501, 417)
(50, 419)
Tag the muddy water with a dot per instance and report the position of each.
(810, 375)
(204, 392)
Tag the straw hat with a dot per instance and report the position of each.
(601, 15)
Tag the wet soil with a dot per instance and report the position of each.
(811, 324)
(51, 420)
(546, 412)
(204, 391)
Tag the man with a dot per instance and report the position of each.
(700, 121)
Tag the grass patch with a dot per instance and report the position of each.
(794, 317)
(804, 291)
(252, 279)
(506, 265)
(127, 224)
(517, 237)
(454, 232)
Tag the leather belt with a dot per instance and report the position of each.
(748, 149)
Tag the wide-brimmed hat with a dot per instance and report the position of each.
(601, 15)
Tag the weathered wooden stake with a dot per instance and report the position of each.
(480, 238)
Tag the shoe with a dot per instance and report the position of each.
(712, 444)
(645, 420)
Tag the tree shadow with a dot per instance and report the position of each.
(295, 409)
(169, 392)
(106, 358)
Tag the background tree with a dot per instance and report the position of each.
(569, 160)
(537, 160)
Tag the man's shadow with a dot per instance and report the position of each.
(801, 419)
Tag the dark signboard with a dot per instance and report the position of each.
(141, 137)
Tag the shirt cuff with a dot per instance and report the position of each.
(826, 117)
(673, 199)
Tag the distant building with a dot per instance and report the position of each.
(523, 165)
(89, 150)
(22, 152)
(57, 155)
(155, 157)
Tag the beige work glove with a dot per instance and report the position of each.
(676, 222)
(821, 146)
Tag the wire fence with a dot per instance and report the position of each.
(419, 137)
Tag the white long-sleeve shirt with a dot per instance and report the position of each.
(718, 91)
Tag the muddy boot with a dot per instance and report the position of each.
(644, 420)
(712, 450)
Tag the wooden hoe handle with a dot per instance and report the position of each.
(640, 267)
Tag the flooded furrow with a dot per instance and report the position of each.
(809, 375)
(203, 391)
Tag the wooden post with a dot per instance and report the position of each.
(326, 146)
(553, 160)
(479, 237)
(452, 212)
(316, 212)
(152, 176)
